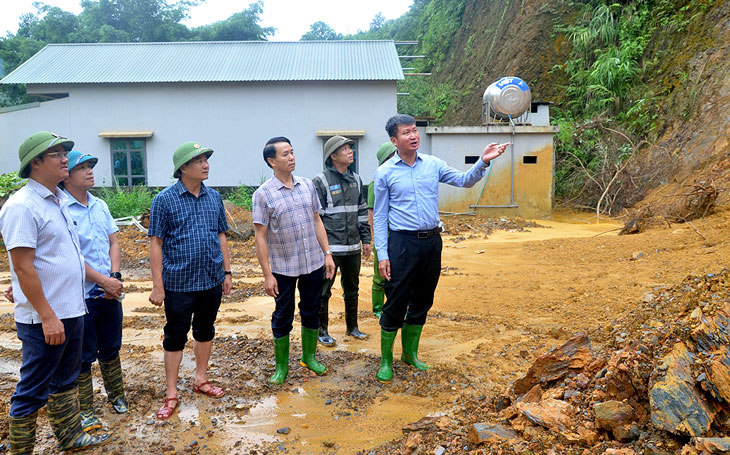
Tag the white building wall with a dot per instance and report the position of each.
(235, 119)
(17, 125)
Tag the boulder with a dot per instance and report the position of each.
(612, 414)
(588, 436)
(549, 413)
(676, 404)
(574, 355)
(711, 340)
(480, 433)
(713, 445)
(626, 433)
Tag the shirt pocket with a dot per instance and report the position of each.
(208, 219)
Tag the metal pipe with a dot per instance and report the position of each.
(456, 213)
(512, 163)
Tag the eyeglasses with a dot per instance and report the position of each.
(57, 155)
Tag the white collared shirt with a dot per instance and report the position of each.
(35, 218)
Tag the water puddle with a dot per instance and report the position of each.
(311, 422)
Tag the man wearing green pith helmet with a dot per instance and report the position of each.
(191, 268)
(47, 271)
(385, 152)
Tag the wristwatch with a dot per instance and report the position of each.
(117, 275)
(228, 272)
(328, 253)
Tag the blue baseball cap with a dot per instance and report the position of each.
(75, 158)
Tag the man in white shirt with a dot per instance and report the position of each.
(47, 271)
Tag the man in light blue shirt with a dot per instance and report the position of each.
(407, 237)
(103, 288)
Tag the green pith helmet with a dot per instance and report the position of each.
(334, 143)
(187, 152)
(36, 144)
(384, 152)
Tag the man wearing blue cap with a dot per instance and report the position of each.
(103, 288)
(47, 271)
(191, 269)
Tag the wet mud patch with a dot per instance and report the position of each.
(149, 309)
(143, 322)
(130, 288)
(243, 291)
(7, 322)
(464, 225)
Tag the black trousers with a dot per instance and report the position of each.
(196, 308)
(310, 291)
(415, 267)
(349, 267)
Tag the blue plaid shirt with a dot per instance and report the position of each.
(188, 226)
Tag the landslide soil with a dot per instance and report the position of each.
(509, 291)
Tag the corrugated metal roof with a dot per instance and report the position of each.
(214, 61)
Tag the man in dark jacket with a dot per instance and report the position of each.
(345, 216)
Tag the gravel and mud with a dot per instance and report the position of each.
(510, 291)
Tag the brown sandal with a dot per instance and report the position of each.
(166, 410)
(213, 391)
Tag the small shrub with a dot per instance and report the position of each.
(241, 196)
(9, 184)
(124, 202)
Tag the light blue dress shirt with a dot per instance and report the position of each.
(406, 197)
(94, 225)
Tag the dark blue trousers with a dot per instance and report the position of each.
(310, 293)
(415, 267)
(102, 331)
(46, 369)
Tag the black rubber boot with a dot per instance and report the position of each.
(324, 338)
(351, 320)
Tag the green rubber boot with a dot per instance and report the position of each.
(89, 420)
(281, 353)
(65, 420)
(22, 434)
(378, 299)
(309, 347)
(410, 336)
(385, 372)
(111, 372)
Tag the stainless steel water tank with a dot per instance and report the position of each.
(507, 97)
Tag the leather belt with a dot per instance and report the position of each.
(422, 234)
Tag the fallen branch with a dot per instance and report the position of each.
(698, 232)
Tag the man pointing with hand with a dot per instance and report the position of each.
(407, 235)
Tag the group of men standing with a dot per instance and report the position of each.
(67, 286)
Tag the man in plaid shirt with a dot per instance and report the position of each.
(291, 246)
(190, 266)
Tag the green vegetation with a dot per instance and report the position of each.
(319, 31)
(116, 21)
(433, 23)
(609, 109)
(9, 184)
(125, 202)
(241, 196)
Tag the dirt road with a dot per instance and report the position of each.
(502, 300)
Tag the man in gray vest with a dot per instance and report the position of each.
(345, 216)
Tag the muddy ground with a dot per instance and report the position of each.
(509, 291)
